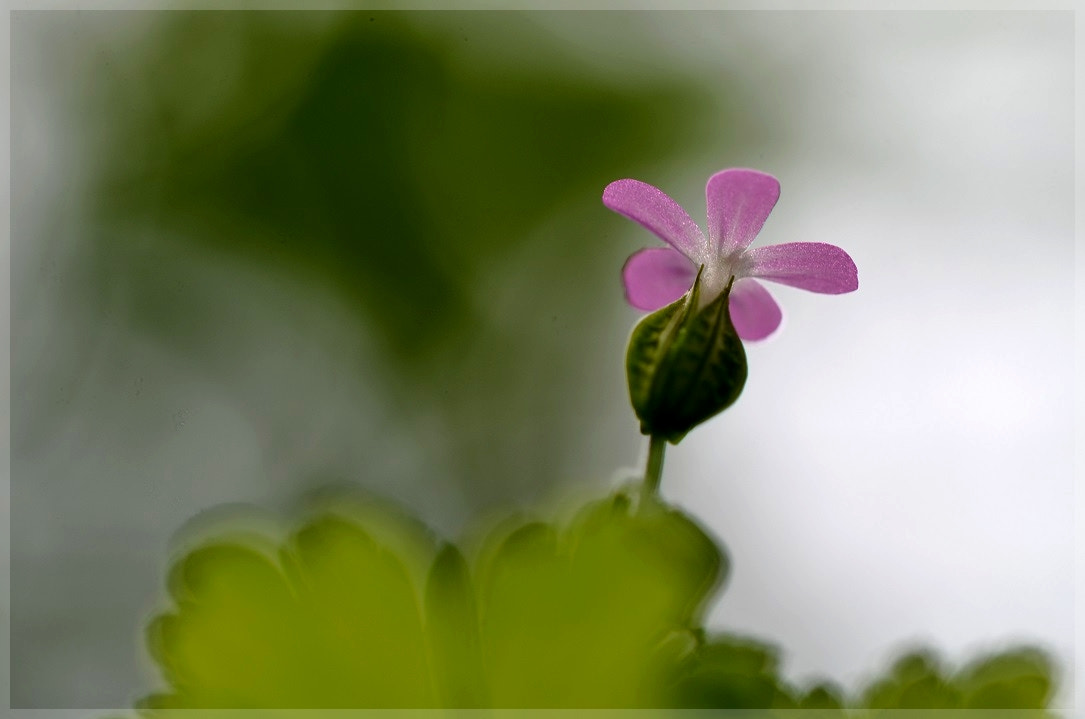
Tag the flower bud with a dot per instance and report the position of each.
(685, 364)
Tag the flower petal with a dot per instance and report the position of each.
(739, 201)
(656, 211)
(753, 311)
(656, 277)
(813, 266)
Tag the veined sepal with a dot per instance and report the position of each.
(684, 364)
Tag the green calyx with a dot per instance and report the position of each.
(684, 364)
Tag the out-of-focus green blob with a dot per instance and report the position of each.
(581, 616)
(413, 172)
(914, 682)
(333, 622)
(730, 672)
(365, 609)
(452, 622)
(361, 597)
(395, 169)
(1017, 679)
(826, 697)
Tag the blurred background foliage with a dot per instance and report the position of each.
(414, 183)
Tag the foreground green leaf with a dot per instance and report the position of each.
(575, 616)
(366, 609)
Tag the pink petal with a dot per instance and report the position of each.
(813, 266)
(656, 277)
(656, 211)
(753, 311)
(739, 202)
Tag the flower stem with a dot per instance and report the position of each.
(653, 472)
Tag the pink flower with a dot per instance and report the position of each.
(739, 201)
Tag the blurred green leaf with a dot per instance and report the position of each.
(1015, 679)
(575, 617)
(452, 622)
(914, 682)
(361, 607)
(334, 621)
(1019, 678)
(822, 696)
(730, 672)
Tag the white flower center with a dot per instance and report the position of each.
(716, 276)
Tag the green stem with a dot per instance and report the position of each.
(653, 472)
